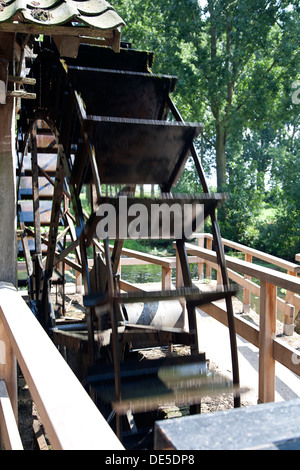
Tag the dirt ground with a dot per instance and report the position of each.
(28, 414)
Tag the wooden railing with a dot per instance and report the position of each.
(71, 419)
(271, 349)
(288, 306)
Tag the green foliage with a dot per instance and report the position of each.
(236, 62)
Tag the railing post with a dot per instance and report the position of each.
(201, 264)
(180, 283)
(78, 282)
(208, 268)
(166, 278)
(288, 326)
(268, 305)
(247, 293)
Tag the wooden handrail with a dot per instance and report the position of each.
(290, 306)
(283, 306)
(262, 273)
(74, 423)
(151, 259)
(289, 266)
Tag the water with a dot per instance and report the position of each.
(149, 273)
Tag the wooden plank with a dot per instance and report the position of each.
(266, 392)
(287, 356)
(128, 287)
(66, 430)
(21, 80)
(21, 94)
(55, 30)
(158, 158)
(45, 187)
(282, 305)
(27, 213)
(166, 278)
(46, 163)
(258, 272)
(260, 255)
(9, 432)
(151, 259)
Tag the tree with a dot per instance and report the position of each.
(235, 59)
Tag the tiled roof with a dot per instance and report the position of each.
(97, 14)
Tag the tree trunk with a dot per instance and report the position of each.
(8, 252)
(220, 156)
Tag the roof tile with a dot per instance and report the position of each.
(94, 13)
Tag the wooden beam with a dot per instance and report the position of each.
(35, 29)
(72, 424)
(67, 45)
(152, 259)
(21, 80)
(268, 294)
(21, 94)
(287, 356)
(259, 254)
(284, 307)
(166, 278)
(258, 272)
